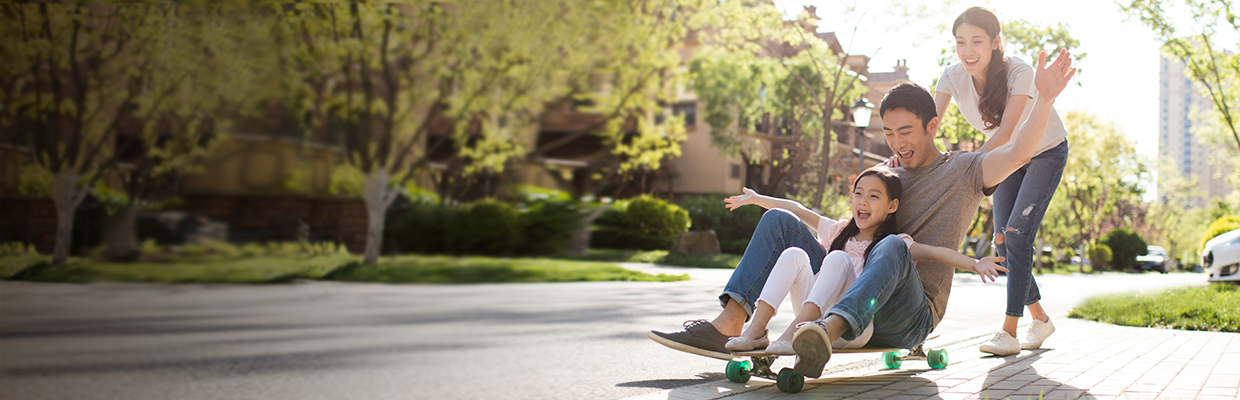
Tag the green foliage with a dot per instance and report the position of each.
(1220, 226)
(535, 225)
(1213, 308)
(643, 222)
(1125, 246)
(1099, 256)
(1214, 66)
(733, 228)
(1100, 187)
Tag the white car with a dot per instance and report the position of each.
(1221, 257)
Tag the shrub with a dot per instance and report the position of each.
(1099, 256)
(733, 228)
(487, 226)
(643, 223)
(1220, 226)
(536, 224)
(1125, 246)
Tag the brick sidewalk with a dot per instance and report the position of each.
(1082, 359)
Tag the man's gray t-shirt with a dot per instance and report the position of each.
(937, 207)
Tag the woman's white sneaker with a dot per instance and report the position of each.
(1038, 332)
(1002, 344)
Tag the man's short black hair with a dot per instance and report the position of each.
(912, 97)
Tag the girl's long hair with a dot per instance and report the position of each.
(995, 93)
(894, 190)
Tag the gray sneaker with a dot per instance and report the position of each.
(813, 348)
(699, 337)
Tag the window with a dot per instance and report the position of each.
(736, 171)
(689, 110)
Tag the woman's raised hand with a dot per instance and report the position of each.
(1051, 80)
(747, 196)
(986, 267)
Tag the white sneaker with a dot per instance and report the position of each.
(1038, 332)
(1002, 344)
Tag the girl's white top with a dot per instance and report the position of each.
(957, 83)
(829, 229)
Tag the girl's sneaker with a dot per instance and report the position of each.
(1002, 344)
(740, 343)
(1038, 332)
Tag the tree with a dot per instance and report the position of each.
(1125, 246)
(1100, 186)
(125, 90)
(1206, 61)
(766, 79)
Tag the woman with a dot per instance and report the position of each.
(994, 93)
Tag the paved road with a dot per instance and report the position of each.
(323, 340)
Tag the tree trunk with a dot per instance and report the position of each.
(825, 153)
(66, 196)
(579, 242)
(378, 197)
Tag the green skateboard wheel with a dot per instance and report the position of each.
(937, 359)
(891, 359)
(789, 381)
(738, 371)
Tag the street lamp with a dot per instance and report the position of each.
(861, 119)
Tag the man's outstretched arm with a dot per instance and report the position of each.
(1050, 82)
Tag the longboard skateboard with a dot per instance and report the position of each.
(740, 369)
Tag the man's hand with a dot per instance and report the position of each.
(1051, 80)
(748, 196)
(986, 267)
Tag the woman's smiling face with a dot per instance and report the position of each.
(974, 48)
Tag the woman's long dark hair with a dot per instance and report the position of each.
(894, 190)
(995, 93)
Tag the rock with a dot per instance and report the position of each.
(696, 242)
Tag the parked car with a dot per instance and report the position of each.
(1155, 259)
(1221, 257)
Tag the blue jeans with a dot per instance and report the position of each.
(889, 293)
(777, 231)
(1028, 190)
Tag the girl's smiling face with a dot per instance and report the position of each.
(871, 204)
(974, 48)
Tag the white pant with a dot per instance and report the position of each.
(792, 273)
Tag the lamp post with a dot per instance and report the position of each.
(861, 119)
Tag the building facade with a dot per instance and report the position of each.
(1178, 144)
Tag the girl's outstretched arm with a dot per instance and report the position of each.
(984, 267)
(749, 196)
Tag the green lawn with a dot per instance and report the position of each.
(662, 257)
(278, 269)
(1210, 308)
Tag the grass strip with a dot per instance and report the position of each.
(1208, 308)
(662, 257)
(281, 269)
(446, 269)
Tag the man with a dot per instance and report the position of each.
(905, 301)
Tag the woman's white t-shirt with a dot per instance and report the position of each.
(957, 83)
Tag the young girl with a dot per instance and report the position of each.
(994, 94)
(876, 196)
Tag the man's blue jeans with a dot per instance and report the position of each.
(1020, 203)
(888, 291)
(778, 230)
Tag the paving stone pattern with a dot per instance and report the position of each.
(1082, 360)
